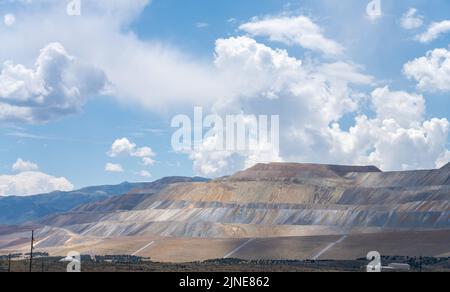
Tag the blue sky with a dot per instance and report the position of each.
(75, 145)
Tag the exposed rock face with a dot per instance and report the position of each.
(135, 196)
(265, 201)
(292, 171)
(275, 200)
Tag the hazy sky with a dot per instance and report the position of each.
(88, 99)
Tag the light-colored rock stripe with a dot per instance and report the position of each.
(238, 248)
(144, 247)
(317, 256)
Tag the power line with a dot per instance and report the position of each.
(31, 250)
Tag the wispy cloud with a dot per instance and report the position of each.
(411, 19)
(297, 30)
(202, 24)
(434, 31)
(111, 167)
(25, 135)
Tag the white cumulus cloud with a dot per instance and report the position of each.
(432, 71)
(9, 19)
(246, 77)
(391, 147)
(298, 30)
(111, 167)
(57, 86)
(397, 138)
(158, 76)
(411, 20)
(22, 165)
(312, 98)
(123, 147)
(31, 183)
(405, 108)
(308, 97)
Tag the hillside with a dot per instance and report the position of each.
(280, 202)
(16, 210)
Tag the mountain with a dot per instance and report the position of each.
(295, 171)
(16, 210)
(134, 197)
(277, 210)
(446, 167)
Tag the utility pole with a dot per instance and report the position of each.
(31, 250)
(9, 263)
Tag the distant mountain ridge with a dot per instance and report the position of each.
(135, 196)
(16, 210)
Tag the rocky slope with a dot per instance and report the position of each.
(17, 210)
(288, 199)
(266, 201)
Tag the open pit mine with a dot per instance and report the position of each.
(270, 211)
